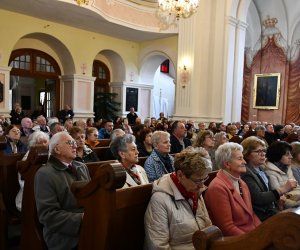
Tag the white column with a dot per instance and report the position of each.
(238, 71)
(78, 92)
(4, 78)
(229, 62)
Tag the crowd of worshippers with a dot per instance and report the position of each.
(258, 168)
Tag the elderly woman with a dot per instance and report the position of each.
(220, 139)
(144, 144)
(279, 170)
(37, 138)
(92, 137)
(262, 196)
(160, 162)
(14, 144)
(206, 139)
(296, 160)
(227, 198)
(83, 152)
(176, 209)
(125, 150)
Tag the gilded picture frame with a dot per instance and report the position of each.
(266, 91)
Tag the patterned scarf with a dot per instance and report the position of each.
(187, 195)
(133, 173)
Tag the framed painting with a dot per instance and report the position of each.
(266, 91)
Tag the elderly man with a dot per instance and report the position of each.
(56, 205)
(104, 133)
(41, 125)
(26, 127)
(125, 150)
(178, 139)
(228, 190)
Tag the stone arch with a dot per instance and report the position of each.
(62, 53)
(115, 63)
(163, 84)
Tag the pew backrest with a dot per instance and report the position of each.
(113, 217)
(101, 152)
(104, 143)
(281, 231)
(32, 236)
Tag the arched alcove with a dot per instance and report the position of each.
(163, 83)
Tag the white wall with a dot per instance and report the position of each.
(164, 84)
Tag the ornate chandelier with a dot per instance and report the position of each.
(79, 2)
(178, 8)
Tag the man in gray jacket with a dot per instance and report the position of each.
(56, 205)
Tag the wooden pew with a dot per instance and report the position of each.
(142, 160)
(278, 232)
(93, 166)
(101, 152)
(113, 217)
(10, 217)
(103, 143)
(32, 235)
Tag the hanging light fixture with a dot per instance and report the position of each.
(179, 8)
(79, 2)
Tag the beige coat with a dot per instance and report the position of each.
(279, 178)
(169, 220)
(140, 171)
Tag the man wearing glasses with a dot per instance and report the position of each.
(56, 205)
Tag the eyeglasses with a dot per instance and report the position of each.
(15, 131)
(260, 151)
(72, 143)
(200, 181)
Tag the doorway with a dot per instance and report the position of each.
(34, 81)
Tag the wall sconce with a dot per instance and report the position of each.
(184, 76)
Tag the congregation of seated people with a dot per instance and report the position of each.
(258, 166)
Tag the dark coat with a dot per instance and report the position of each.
(176, 147)
(262, 197)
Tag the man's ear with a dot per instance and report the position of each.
(56, 150)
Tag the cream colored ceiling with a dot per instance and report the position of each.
(70, 14)
(81, 17)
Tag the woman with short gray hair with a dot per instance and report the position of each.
(227, 188)
(160, 162)
(176, 209)
(125, 150)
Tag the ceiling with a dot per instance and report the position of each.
(80, 17)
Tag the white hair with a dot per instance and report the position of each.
(35, 137)
(224, 153)
(55, 139)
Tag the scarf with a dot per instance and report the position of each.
(166, 160)
(187, 195)
(281, 166)
(133, 174)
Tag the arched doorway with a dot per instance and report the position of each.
(34, 81)
(101, 86)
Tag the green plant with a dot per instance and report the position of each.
(105, 107)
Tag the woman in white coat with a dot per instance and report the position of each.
(176, 209)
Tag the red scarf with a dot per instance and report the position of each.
(187, 195)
